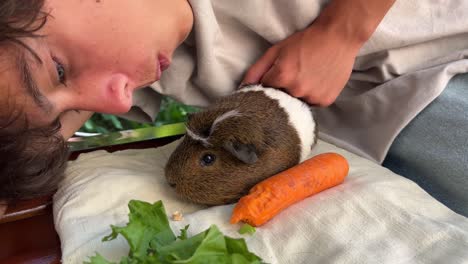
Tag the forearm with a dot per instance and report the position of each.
(72, 121)
(353, 20)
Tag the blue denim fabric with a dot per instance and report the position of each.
(433, 149)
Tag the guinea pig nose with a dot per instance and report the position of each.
(173, 185)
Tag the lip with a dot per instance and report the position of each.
(163, 64)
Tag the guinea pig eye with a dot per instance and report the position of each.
(208, 159)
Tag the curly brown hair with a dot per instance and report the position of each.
(32, 159)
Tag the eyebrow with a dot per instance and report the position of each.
(28, 81)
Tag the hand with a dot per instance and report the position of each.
(313, 65)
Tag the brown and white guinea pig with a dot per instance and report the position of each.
(239, 141)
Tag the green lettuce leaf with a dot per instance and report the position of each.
(152, 241)
(148, 223)
(246, 229)
(183, 233)
(98, 259)
(238, 248)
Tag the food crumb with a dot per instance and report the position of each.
(177, 216)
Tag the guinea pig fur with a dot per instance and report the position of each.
(239, 141)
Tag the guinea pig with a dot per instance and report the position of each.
(238, 141)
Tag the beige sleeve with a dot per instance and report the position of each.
(146, 105)
(72, 121)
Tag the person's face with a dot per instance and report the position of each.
(95, 53)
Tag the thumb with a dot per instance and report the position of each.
(256, 71)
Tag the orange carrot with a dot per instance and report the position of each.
(271, 196)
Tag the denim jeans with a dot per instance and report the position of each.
(433, 149)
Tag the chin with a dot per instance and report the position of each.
(117, 110)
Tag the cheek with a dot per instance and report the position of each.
(92, 64)
(99, 30)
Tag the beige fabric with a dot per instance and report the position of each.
(407, 63)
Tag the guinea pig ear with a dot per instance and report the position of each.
(244, 152)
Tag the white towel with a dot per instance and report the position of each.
(375, 216)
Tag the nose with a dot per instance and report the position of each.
(118, 90)
(170, 181)
(107, 93)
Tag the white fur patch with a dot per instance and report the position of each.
(299, 114)
(204, 140)
(222, 117)
(194, 136)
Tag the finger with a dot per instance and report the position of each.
(256, 71)
(277, 77)
(323, 101)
